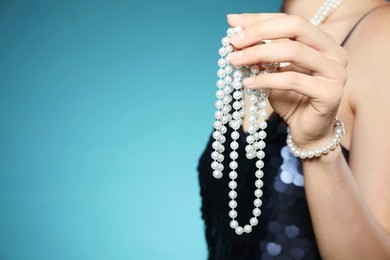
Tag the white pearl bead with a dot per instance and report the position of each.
(220, 94)
(253, 99)
(225, 41)
(232, 185)
(251, 129)
(259, 174)
(247, 228)
(233, 213)
(233, 175)
(232, 194)
(237, 74)
(216, 135)
(262, 134)
(263, 114)
(249, 148)
(229, 48)
(237, 95)
(214, 165)
(242, 113)
(263, 125)
(258, 193)
(260, 154)
(255, 69)
(256, 212)
(233, 204)
(230, 32)
(226, 109)
(216, 145)
(259, 164)
(217, 174)
(234, 224)
(233, 155)
(218, 114)
(257, 202)
(222, 51)
(220, 158)
(237, 85)
(224, 119)
(239, 230)
(227, 79)
(222, 62)
(233, 165)
(250, 139)
(238, 29)
(223, 129)
(234, 124)
(235, 135)
(228, 69)
(253, 221)
(250, 155)
(218, 104)
(261, 144)
(253, 109)
(217, 125)
(259, 183)
(220, 83)
(236, 115)
(237, 105)
(214, 155)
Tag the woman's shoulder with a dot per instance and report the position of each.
(374, 30)
(367, 89)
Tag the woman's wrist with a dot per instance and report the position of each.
(319, 147)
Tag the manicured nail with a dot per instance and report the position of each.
(235, 55)
(235, 18)
(248, 81)
(238, 37)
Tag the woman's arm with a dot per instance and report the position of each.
(349, 204)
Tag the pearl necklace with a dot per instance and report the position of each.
(326, 9)
(230, 88)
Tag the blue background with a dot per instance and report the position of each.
(105, 108)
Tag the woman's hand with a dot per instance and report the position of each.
(307, 93)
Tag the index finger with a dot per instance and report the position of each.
(247, 19)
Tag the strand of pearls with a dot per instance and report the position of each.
(326, 9)
(303, 154)
(230, 88)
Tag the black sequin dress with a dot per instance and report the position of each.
(285, 230)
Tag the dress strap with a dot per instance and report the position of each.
(358, 22)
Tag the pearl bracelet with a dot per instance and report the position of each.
(303, 154)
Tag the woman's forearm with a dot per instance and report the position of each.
(344, 226)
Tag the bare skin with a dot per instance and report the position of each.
(349, 203)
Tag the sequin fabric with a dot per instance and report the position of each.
(285, 229)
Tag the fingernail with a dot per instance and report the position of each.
(235, 18)
(238, 37)
(248, 81)
(235, 55)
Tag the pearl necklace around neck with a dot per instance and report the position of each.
(230, 87)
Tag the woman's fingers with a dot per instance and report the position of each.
(250, 18)
(295, 52)
(306, 85)
(264, 26)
